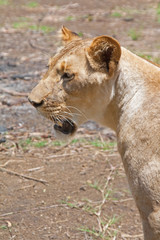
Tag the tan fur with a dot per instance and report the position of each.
(116, 88)
(68, 36)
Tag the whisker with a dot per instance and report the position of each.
(68, 109)
(66, 119)
(65, 115)
(68, 113)
(54, 118)
(63, 118)
(78, 111)
(58, 119)
(73, 108)
(72, 114)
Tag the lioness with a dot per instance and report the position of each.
(99, 80)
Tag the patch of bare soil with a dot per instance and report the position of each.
(51, 189)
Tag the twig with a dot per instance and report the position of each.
(33, 209)
(9, 225)
(22, 188)
(21, 175)
(38, 48)
(14, 93)
(58, 150)
(123, 200)
(130, 236)
(98, 214)
(35, 169)
(24, 76)
(61, 155)
(9, 161)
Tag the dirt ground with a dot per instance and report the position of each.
(51, 189)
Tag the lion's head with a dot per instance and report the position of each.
(78, 83)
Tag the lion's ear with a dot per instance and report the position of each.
(68, 36)
(104, 54)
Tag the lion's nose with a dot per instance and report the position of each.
(36, 104)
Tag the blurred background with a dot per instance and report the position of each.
(50, 189)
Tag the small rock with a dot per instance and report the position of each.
(82, 188)
(129, 19)
(2, 140)
(3, 129)
(12, 64)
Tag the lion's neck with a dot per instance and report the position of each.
(129, 89)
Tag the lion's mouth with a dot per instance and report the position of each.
(66, 126)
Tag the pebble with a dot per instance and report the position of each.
(3, 129)
(2, 140)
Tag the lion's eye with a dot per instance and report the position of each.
(67, 77)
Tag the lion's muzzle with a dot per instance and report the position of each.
(36, 104)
